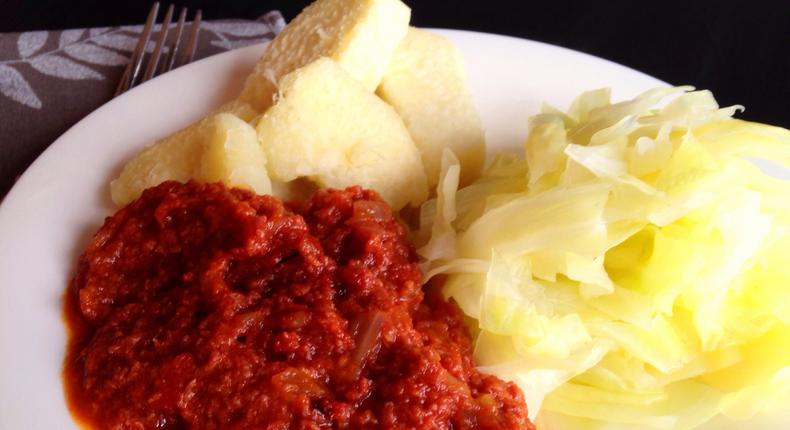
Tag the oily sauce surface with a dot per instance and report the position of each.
(203, 307)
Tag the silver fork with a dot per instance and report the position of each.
(132, 72)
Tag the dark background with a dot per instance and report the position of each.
(738, 49)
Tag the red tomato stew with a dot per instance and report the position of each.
(202, 307)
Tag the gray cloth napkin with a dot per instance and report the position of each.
(49, 80)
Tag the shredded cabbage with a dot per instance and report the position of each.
(632, 270)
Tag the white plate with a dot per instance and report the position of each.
(48, 217)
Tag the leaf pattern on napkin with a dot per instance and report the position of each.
(57, 66)
(30, 42)
(99, 30)
(79, 54)
(67, 37)
(227, 32)
(15, 87)
(121, 42)
(95, 54)
(238, 29)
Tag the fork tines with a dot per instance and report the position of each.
(155, 66)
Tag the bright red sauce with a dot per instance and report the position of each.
(198, 306)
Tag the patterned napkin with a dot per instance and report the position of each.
(49, 80)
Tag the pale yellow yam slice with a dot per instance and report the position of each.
(359, 34)
(182, 156)
(172, 158)
(232, 155)
(326, 126)
(426, 84)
